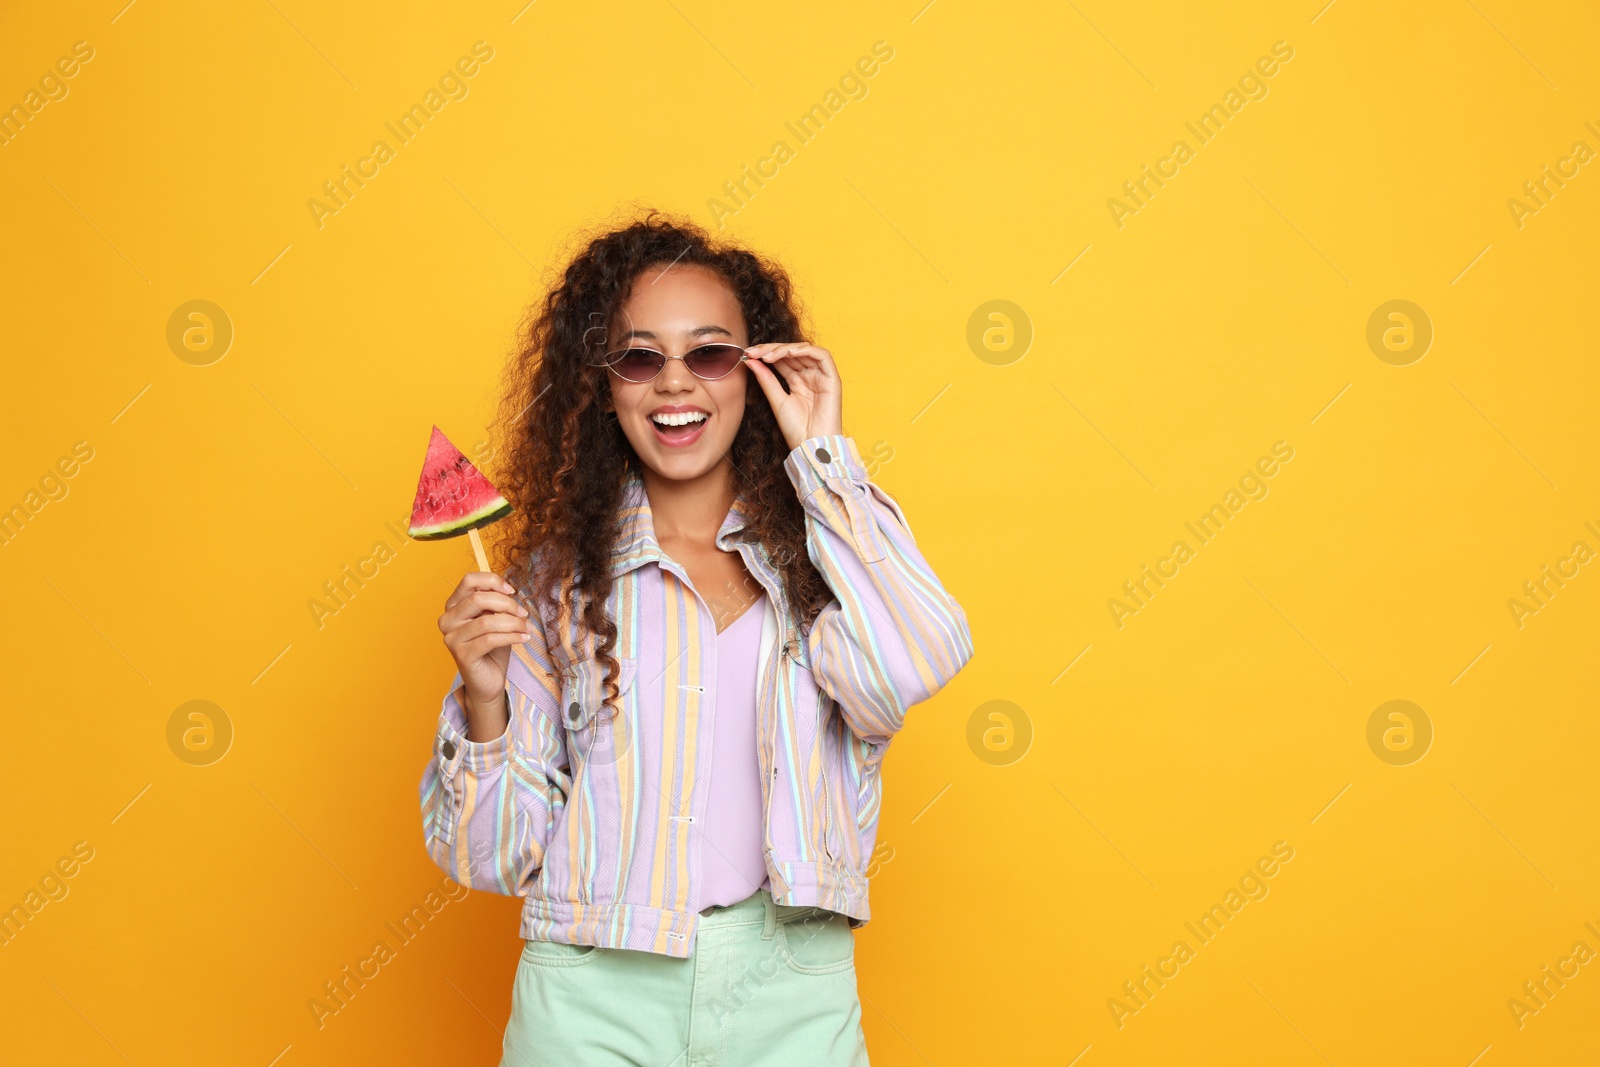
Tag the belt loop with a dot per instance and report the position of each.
(770, 925)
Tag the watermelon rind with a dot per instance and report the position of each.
(488, 514)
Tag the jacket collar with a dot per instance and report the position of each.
(636, 542)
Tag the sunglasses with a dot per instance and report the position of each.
(710, 362)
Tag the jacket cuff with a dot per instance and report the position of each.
(454, 751)
(833, 461)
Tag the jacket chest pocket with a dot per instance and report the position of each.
(597, 734)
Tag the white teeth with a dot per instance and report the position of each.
(682, 418)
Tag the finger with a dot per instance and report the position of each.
(479, 605)
(482, 602)
(796, 351)
(475, 580)
(484, 647)
(801, 380)
(775, 351)
(494, 600)
(815, 356)
(800, 363)
(479, 647)
(490, 600)
(767, 378)
(487, 624)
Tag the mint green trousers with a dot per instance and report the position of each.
(767, 986)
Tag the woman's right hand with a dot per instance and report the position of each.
(481, 622)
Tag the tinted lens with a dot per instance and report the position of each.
(638, 364)
(714, 361)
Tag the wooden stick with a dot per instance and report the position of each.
(477, 549)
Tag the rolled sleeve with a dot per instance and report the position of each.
(832, 462)
(453, 747)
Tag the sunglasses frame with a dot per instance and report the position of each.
(611, 359)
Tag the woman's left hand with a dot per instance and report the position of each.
(814, 404)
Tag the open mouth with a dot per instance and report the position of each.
(679, 429)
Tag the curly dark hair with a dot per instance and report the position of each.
(565, 458)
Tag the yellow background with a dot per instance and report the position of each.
(1011, 901)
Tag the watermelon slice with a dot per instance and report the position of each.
(453, 496)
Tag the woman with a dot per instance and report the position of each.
(666, 729)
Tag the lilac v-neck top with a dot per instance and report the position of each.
(732, 864)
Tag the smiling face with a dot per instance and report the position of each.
(675, 310)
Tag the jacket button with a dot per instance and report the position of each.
(822, 455)
(574, 711)
(449, 749)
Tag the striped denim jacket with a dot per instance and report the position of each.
(589, 816)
